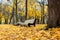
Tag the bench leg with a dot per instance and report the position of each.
(29, 24)
(34, 25)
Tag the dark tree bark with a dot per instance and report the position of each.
(12, 15)
(26, 9)
(16, 11)
(53, 13)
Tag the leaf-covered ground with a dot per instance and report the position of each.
(10, 32)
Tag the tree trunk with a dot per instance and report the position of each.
(53, 13)
(26, 9)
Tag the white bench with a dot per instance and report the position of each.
(26, 22)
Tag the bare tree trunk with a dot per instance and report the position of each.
(16, 12)
(12, 15)
(53, 13)
(0, 20)
(26, 9)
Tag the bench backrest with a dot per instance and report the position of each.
(30, 21)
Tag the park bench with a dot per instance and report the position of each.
(27, 22)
